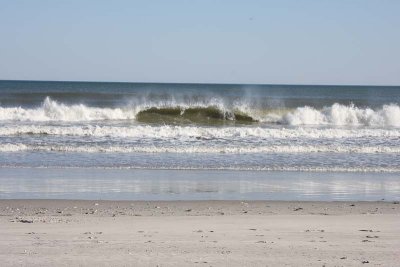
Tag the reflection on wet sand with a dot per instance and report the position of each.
(119, 184)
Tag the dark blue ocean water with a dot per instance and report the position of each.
(101, 94)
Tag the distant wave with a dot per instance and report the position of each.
(335, 115)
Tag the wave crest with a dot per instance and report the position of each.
(341, 115)
(335, 115)
(51, 110)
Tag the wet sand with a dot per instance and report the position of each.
(198, 233)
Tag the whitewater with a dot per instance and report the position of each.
(337, 114)
(184, 126)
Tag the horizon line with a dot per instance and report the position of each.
(199, 83)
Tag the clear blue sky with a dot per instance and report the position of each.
(226, 41)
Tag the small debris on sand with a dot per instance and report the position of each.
(25, 221)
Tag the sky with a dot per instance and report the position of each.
(202, 41)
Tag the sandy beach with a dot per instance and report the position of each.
(198, 233)
(199, 133)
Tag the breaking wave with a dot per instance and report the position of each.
(191, 114)
(206, 113)
(51, 110)
(340, 115)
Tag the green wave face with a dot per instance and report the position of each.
(196, 115)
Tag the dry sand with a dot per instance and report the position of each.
(203, 233)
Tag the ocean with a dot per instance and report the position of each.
(265, 129)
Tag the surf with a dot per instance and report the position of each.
(214, 112)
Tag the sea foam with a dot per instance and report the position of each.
(183, 132)
(216, 149)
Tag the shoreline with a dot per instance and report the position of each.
(198, 233)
